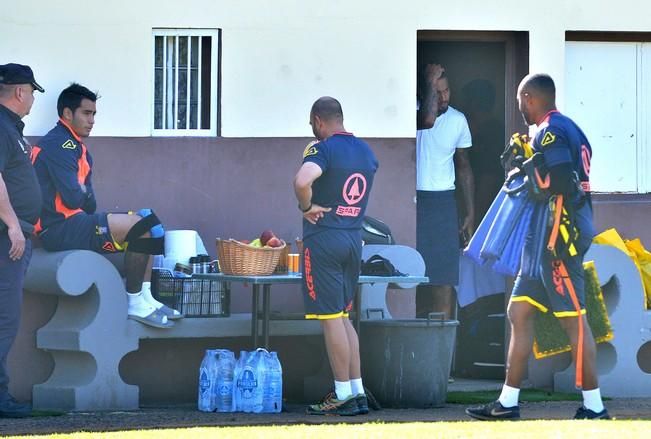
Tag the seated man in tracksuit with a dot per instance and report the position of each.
(69, 219)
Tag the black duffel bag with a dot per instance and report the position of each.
(375, 231)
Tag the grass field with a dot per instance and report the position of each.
(522, 429)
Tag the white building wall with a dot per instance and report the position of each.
(278, 56)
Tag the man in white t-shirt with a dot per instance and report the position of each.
(442, 142)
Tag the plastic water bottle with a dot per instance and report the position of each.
(223, 390)
(237, 374)
(206, 379)
(248, 383)
(249, 378)
(260, 369)
(273, 395)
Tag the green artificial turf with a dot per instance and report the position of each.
(526, 395)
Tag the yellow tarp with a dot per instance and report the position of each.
(635, 250)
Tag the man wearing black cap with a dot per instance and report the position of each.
(20, 206)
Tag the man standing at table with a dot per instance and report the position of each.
(332, 187)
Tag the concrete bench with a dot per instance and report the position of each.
(405, 259)
(624, 363)
(89, 333)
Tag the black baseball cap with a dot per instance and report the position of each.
(18, 74)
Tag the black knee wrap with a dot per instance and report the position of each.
(151, 246)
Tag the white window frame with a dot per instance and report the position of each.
(214, 91)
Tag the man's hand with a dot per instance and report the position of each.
(468, 228)
(17, 243)
(315, 213)
(433, 73)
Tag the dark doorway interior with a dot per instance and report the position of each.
(483, 69)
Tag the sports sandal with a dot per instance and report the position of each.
(154, 319)
(171, 313)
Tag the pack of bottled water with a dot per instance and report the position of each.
(252, 384)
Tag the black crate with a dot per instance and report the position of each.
(191, 297)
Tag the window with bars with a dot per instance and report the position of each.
(185, 82)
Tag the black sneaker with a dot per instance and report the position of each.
(584, 413)
(334, 407)
(494, 411)
(362, 404)
(10, 408)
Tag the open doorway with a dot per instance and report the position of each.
(483, 70)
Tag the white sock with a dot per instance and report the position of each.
(343, 390)
(509, 396)
(146, 294)
(592, 400)
(356, 386)
(137, 305)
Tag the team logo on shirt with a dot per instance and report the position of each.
(548, 139)
(69, 144)
(353, 191)
(310, 149)
(109, 247)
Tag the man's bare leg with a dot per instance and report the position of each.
(141, 304)
(521, 316)
(135, 264)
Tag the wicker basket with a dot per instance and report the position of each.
(241, 259)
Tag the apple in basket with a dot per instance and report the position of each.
(274, 242)
(266, 236)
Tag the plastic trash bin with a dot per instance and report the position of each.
(406, 363)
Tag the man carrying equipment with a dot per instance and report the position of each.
(69, 219)
(563, 174)
(332, 187)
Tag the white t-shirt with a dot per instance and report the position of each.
(435, 148)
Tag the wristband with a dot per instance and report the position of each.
(305, 210)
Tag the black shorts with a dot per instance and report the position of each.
(80, 232)
(331, 264)
(560, 287)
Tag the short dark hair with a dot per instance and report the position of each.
(542, 85)
(72, 96)
(327, 108)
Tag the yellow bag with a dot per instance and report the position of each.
(642, 259)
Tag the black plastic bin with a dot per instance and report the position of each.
(406, 363)
(191, 297)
